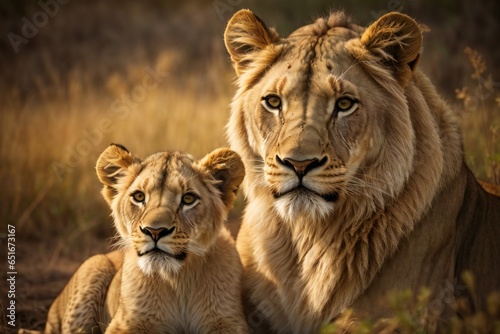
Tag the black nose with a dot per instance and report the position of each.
(157, 233)
(301, 167)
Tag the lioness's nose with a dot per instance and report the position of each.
(301, 167)
(157, 233)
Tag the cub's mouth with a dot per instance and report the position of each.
(329, 197)
(160, 253)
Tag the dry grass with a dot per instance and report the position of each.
(413, 314)
(62, 104)
(480, 115)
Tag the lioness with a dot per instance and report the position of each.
(178, 270)
(356, 181)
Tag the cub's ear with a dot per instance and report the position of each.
(226, 167)
(246, 34)
(396, 39)
(113, 164)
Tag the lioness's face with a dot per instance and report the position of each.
(311, 126)
(314, 118)
(168, 206)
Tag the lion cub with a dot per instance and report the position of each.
(178, 270)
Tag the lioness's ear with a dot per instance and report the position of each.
(246, 34)
(111, 166)
(396, 39)
(226, 167)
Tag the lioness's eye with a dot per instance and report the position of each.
(138, 196)
(344, 104)
(189, 199)
(272, 102)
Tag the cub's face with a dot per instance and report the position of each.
(168, 206)
(320, 117)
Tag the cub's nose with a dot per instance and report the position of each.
(301, 167)
(157, 233)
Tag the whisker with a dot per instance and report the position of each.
(356, 182)
(341, 76)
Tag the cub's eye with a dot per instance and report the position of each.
(272, 103)
(189, 198)
(345, 105)
(138, 196)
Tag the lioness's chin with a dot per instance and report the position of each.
(161, 263)
(304, 203)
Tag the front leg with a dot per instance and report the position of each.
(114, 328)
(127, 322)
(78, 308)
(121, 324)
(120, 327)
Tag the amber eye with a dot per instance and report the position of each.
(138, 196)
(189, 198)
(272, 102)
(344, 104)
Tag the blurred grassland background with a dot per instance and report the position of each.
(155, 75)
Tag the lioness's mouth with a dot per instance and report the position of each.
(178, 256)
(330, 197)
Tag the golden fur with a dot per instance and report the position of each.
(178, 269)
(356, 183)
